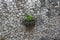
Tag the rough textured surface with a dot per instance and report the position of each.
(12, 12)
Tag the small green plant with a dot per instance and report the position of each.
(29, 17)
(29, 20)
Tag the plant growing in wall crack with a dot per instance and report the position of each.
(29, 20)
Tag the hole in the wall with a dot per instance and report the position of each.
(29, 25)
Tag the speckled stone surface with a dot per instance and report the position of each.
(12, 12)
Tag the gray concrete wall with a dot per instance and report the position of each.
(12, 12)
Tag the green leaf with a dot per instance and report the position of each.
(29, 17)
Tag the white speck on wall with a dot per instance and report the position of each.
(58, 3)
(0, 33)
(29, 1)
(8, 0)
